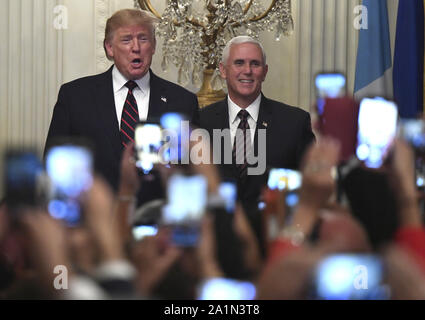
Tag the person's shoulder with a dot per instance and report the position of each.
(87, 81)
(212, 108)
(283, 108)
(171, 86)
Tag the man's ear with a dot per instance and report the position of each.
(154, 46)
(266, 69)
(108, 48)
(222, 70)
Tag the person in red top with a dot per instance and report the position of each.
(411, 232)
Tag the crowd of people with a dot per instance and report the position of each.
(101, 258)
(353, 233)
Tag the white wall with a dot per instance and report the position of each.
(36, 58)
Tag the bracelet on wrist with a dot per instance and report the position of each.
(126, 198)
(293, 234)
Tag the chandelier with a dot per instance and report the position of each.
(196, 31)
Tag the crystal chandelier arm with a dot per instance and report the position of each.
(248, 6)
(263, 15)
(146, 5)
(192, 21)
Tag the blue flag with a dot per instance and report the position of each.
(374, 53)
(408, 69)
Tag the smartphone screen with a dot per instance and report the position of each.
(226, 289)
(277, 213)
(147, 144)
(187, 200)
(23, 178)
(350, 277)
(228, 192)
(413, 131)
(377, 127)
(142, 231)
(70, 169)
(177, 129)
(330, 85)
(284, 179)
(290, 181)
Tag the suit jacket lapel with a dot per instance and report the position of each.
(105, 105)
(222, 116)
(264, 121)
(221, 120)
(157, 99)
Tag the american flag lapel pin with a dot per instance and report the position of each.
(164, 99)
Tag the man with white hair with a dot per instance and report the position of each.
(246, 110)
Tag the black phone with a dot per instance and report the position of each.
(23, 178)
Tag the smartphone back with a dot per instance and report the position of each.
(338, 119)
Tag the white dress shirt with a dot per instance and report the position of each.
(234, 120)
(141, 94)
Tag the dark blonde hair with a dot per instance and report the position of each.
(128, 17)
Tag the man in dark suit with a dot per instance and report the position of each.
(287, 129)
(101, 108)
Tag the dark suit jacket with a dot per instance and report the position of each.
(288, 133)
(86, 108)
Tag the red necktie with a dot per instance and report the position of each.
(129, 116)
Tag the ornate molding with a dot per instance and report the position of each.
(101, 14)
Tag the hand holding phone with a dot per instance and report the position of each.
(225, 198)
(70, 169)
(187, 200)
(23, 179)
(413, 132)
(281, 198)
(142, 231)
(377, 127)
(147, 145)
(177, 131)
(226, 289)
(330, 85)
(350, 277)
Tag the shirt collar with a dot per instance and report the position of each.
(252, 109)
(119, 80)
